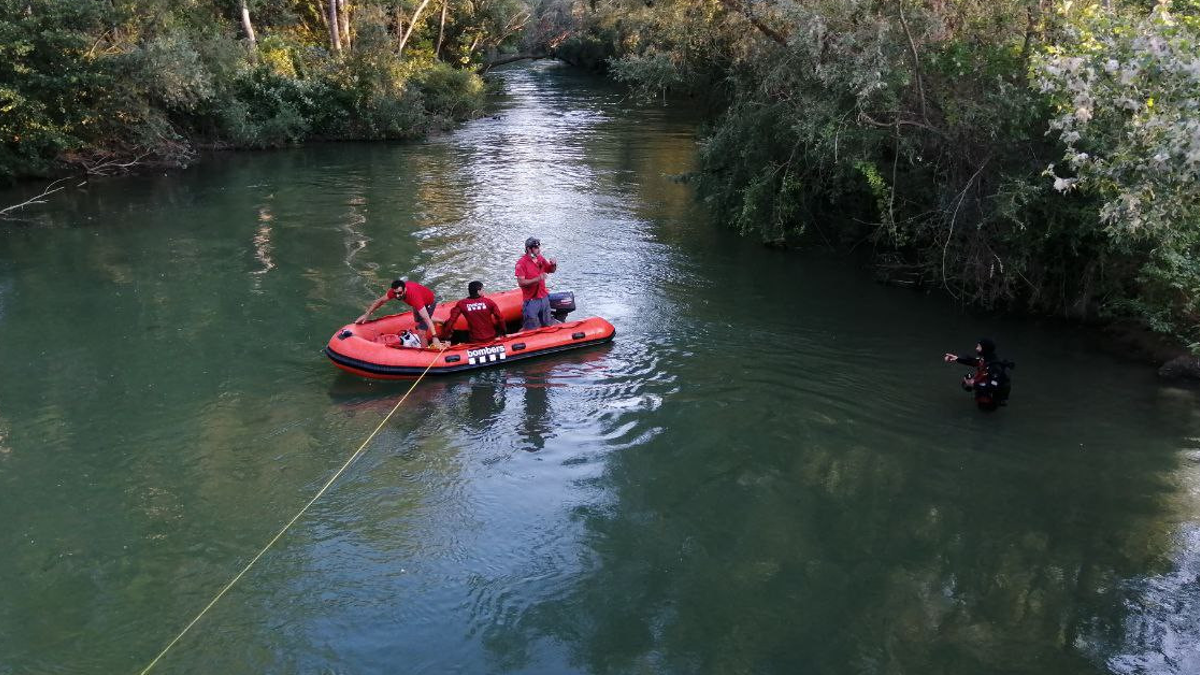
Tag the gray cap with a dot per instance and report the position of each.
(531, 242)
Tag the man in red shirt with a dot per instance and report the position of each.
(484, 321)
(416, 296)
(532, 270)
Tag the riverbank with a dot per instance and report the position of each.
(100, 88)
(430, 101)
(1124, 338)
(1023, 159)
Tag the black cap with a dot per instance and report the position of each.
(531, 242)
(986, 346)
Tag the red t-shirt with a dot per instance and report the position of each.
(415, 295)
(479, 313)
(528, 268)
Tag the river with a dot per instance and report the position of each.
(768, 471)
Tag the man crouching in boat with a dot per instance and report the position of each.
(484, 321)
(420, 299)
(990, 382)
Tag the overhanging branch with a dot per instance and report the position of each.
(763, 28)
(38, 199)
(510, 59)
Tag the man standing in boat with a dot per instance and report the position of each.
(532, 270)
(484, 320)
(420, 299)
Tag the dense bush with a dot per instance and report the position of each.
(924, 130)
(449, 94)
(109, 84)
(49, 81)
(1127, 93)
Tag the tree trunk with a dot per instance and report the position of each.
(345, 22)
(321, 13)
(437, 51)
(335, 32)
(411, 26)
(246, 25)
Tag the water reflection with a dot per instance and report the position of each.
(5, 433)
(262, 243)
(821, 558)
(485, 399)
(1160, 633)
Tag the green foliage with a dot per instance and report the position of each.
(148, 80)
(922, 127)
(269, 110)
(450, 94)
(650, 74)
(48, 75)
(1126, 88)
(590, 50)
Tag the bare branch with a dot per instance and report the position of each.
(437, 50)
(108, 167)
(763, 28)
(900, 122)
(950, 234)
(411, 25)
(912, 45)
(39, 199)
(515, 24)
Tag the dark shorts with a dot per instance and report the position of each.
(417, 316)
(536, 314)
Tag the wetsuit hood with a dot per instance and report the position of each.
(987, 348)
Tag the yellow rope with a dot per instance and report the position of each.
(294, 518)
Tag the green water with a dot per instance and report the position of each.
(769, 470)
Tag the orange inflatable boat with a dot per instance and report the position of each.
(373, 349)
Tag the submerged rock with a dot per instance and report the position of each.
(1186, 367)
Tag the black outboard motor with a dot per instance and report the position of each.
(562, 304)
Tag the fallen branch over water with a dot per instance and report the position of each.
(511, 59)
(38, 199)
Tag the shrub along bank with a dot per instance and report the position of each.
(1025, 154)
(106, 84)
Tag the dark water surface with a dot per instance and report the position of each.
(769, 470)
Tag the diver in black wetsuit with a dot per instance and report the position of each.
(990, 381)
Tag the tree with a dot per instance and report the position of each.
(1126, 87)
(244, 15)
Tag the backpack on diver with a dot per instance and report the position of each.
(991, 384)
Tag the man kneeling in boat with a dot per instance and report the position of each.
(484, 321)
(416, 296)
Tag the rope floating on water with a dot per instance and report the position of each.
(296, 517)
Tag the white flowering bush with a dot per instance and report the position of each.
(1126, 86)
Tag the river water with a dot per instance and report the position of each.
(768, 471)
